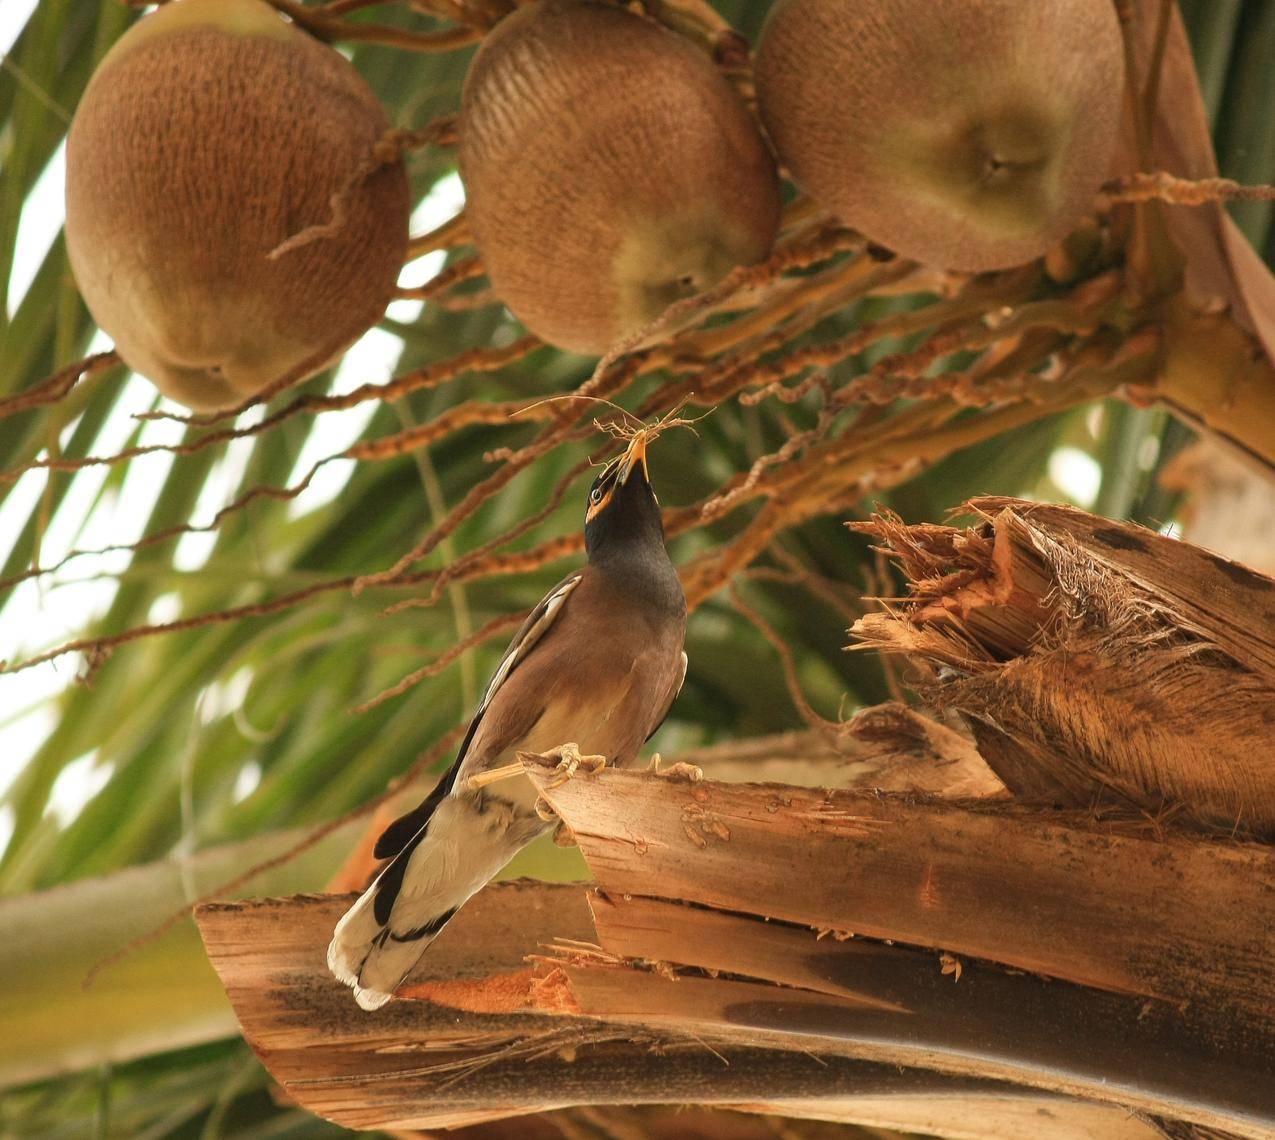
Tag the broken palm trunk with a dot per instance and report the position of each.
(1095, 661)
(890, 747)
(1057, 968)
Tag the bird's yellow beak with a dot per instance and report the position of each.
(635, 454)
(634, 457)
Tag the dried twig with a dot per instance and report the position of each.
(59, 385)
(1164, 187)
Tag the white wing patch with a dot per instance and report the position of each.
(537, 625)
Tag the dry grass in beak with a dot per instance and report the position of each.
(636, 434)
(642, 435)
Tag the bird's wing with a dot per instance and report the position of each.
(531, 631)
(399, 833)
(677, 689)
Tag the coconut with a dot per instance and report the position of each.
(212, 132)
(609, 169)
(970, 134)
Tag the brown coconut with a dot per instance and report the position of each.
(966, 134)
(609, 169)
(211, 133)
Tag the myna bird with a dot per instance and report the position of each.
(598, 663)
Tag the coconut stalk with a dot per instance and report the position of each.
(1094, 660)
(539, 997)
(1047, 1035)
(1219, 345)
(1228, 505)
(1007, 1119)
(1036, 890)
(889, 747)
(421, 1064)
(520, 1046)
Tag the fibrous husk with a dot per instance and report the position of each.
(610, 171)
(1032, 888)
(971, 136)
(887, 747)
(1094, 660)
(900, 750)
(212, 135)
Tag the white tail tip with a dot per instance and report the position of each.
(370, 999)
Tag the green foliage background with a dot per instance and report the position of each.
(173, 770)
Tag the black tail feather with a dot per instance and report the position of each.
(395, 838)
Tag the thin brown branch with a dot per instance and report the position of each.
(1164, 187)
(448, 235)
(428, 376)
(467, 302)
(56, 387)
(176, 531)
(474, 13)
(603, 386)
(466, 269)
(498, 625)
(472, 360)
(124, 455)
(98, 649)
(506, 563)
(787, 662)
(441, 40)
(323, 23)
(458, 416)
(723, 503)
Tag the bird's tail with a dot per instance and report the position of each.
(462, 844)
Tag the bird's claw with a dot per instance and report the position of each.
(569, 762)
(563, 836)
(689, 773)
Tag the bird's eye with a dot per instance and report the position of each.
(595, 496)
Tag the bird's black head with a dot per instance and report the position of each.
(623, 514)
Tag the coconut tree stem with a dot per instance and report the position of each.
(1213, 373)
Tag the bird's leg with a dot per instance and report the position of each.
(480, 780)
(690, 773)
(569, 761)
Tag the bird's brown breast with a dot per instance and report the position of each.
(602, 676)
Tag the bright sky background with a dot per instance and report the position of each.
(38, 615)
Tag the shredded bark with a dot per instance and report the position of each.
(1083, 679)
